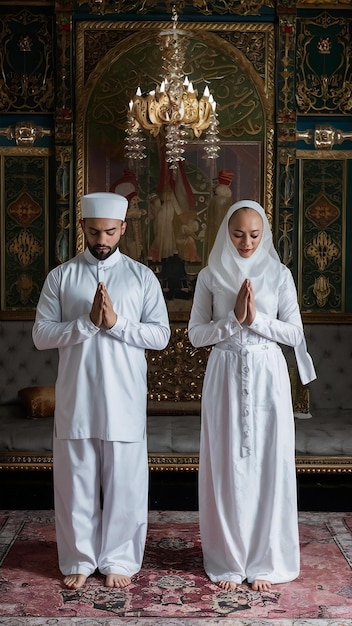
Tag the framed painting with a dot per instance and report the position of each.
(173, 231)
(173, 214)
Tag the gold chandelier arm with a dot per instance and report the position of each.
(204, 112)
(140, 110)
(190, 108)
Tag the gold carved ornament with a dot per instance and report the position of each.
(25, 133)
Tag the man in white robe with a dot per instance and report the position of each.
(102, 310)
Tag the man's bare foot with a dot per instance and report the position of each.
(228, 585)
(261, 585)
(117, 580)
(75, 581)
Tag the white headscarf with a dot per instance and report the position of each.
(262, 267)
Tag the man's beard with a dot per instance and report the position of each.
(101, 256)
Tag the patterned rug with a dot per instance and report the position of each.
(172, 588)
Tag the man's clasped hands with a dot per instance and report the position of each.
(102, 312)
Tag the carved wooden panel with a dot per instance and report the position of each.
(24, 229)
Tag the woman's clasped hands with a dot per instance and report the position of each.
(245, 309)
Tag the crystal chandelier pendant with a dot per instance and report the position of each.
(174, 144)
(134, 146)
(211, 141)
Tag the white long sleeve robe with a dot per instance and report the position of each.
(101, 385)
(247, 482)
(101, 395)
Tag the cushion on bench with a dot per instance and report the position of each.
(38, 401)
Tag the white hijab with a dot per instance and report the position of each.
(262, 267)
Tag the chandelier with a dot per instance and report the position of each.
(172, 111)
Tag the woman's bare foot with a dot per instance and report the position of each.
(228, 585)
(117, 580)
(75, 581)
(261, 585)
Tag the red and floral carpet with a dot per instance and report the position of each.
(172, 587)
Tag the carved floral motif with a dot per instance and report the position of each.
(322, 212)
(25, 247)
(177, 372)
(323, 249)
(24, 210)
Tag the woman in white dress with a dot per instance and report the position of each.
(245, 304)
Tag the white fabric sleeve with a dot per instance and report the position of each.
(48, 330)
(287, 328)
(202, 330)
(153, 331)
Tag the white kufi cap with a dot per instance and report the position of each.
(105, 205)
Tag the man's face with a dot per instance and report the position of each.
(102, 235)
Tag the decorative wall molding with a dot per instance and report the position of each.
(206, 7)
(25, 133)
(323, 70)
(323, 136)
(26, 63)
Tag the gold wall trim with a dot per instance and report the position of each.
(21, 151)
(154, 26)
(326, 318)
(305, 464)
(173, 462)
(323, 4)
(324, 154)
(25, 461)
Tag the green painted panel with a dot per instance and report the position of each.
(324, 72)
(24, 231)
(323, 235)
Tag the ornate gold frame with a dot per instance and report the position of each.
(148, 30)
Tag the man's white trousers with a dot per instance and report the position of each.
(101, 505)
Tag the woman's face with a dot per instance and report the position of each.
(245, 230)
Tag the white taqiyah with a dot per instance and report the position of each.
(103, 204)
